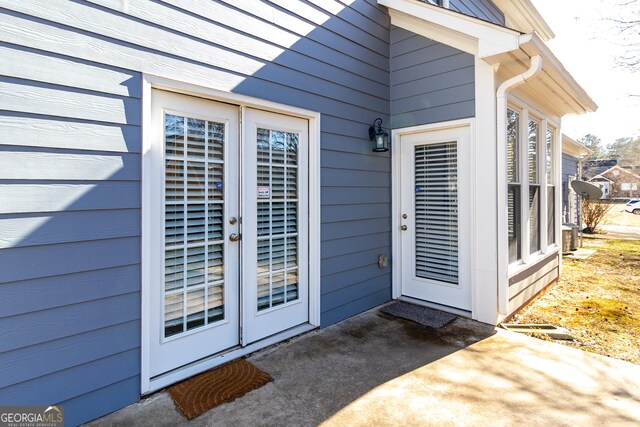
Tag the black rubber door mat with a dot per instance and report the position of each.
(423, 315)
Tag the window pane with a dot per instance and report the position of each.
(549, 151)
(534, 218)
(534, 130)
(551, 224)
(193, 224)
(512, 145)
(277, 249)
(513, 222)
(436, 211)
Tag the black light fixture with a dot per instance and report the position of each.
(379, 136)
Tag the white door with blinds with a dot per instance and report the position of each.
(435, 218)
(226, 234)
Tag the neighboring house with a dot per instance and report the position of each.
(572, 154)
(185, 182)
(617, 183)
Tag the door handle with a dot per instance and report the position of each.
(234, 237)
(403, 227)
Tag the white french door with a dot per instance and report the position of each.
(228, 228)
(435, 220)
(275, 221)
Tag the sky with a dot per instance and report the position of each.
(585, 43)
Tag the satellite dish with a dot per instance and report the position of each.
(586, 190)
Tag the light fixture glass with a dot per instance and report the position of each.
(379, 136)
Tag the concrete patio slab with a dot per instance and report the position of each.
(375, 369)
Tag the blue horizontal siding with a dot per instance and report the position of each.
(27, 363)
(345, 295)
(63, 385)
(34, 130)
(83, 408)
(41, 326)
(431, 82)
(54, 196)
(71, 192)
(342, 263)
(482, 9)
(337, 213)
(21, 297)
(51, 260)
(68, 227)
(346, 310)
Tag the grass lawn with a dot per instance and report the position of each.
(597, 300)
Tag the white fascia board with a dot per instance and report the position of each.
(533, 45)
(469, 34)
(573, 148)
(523, 16)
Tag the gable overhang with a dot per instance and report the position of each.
(600, 178)
(522, 15)
(508, 50)
(573, 148)
(618, 168)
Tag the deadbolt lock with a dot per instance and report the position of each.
(233, 220)
(404, 216)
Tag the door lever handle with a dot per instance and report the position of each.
(403, 227)
(234, 237)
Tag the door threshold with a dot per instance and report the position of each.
(441, 307)
(187, 371)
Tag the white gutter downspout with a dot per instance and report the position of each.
(501, 105)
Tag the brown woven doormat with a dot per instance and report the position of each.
(216, 386)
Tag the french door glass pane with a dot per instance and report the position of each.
(513, 222)
(193, 223)
(534, 218)
(277, 222)
(436, 212)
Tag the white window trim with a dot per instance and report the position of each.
(150, 82)
(528, 113)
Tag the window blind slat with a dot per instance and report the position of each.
(436, 212)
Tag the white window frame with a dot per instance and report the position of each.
(149, 225)
(528, 113)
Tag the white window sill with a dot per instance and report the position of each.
(519, 266)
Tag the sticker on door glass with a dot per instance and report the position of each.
(264, 192)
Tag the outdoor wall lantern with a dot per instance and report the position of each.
(379, 136)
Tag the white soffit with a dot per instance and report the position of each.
(573, 148)
(554, 86)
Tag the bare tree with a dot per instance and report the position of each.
(593, 213)
(626, 18)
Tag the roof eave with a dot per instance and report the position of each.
(523, 15)
(573, 148)
(553, 75)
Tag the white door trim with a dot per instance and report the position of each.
(396, 207)
(157, 82)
